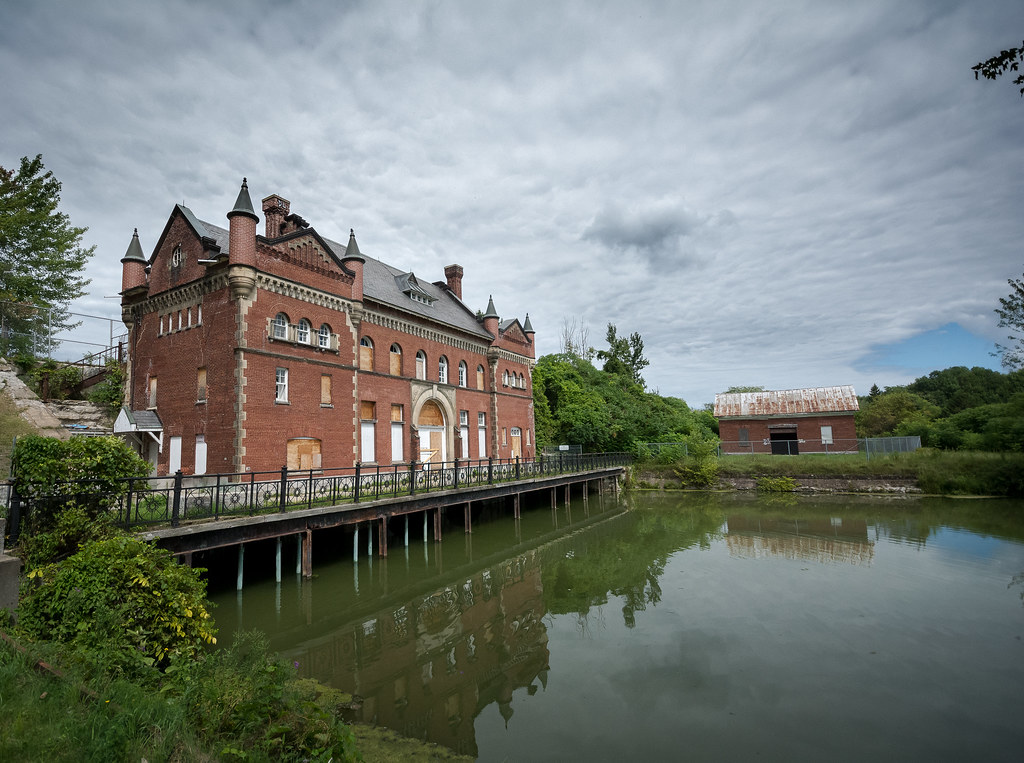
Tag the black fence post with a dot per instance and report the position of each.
(128, 508)
(14, 514)
(282, 495)
(309, 491)
(216, 500)
(355, 487)
(412, 477)
(176, 500)
(490, 470)
(517, 467)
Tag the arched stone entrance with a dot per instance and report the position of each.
(432, 428)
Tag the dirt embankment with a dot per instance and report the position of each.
(805, 484)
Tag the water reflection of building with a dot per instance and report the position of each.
(428, 667)
(824, 540)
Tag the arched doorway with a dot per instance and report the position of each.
(431, 426)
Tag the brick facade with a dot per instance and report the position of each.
(273, 350)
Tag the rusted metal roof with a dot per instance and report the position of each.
(786, 402)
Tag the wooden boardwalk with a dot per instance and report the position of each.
(300, 524)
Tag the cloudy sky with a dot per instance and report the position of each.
(783, 194)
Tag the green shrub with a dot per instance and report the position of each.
(110, 392)
(126, 604)
(776, 484)
(62, 380)
(45, 467)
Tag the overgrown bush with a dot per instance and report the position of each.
(122, 599)
(699, 468)
(91, 472)
(61, 380)
(110, 392)
(776, 484)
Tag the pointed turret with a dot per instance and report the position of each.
(354, 261)
(528, 328)
(242, 245)
(133, 266)
(491, 318)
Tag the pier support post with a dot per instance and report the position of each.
(567, 494)
(241, 566)
(437, 525)
(515, 506)
(298, 554)
(554, 498)
(469, 518)
(355, 544)
(277, 561)
(407, 531)
(307, 554)
(424, 527)
(383, 537)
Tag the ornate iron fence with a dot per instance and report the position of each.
(179, 498)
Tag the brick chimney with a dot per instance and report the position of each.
(275, 209)
(453, 275)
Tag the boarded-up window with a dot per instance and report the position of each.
(396, 360)
(397, 412)
(365, 354)
(744, 434)
(421, 365)
(201, 385)
(325, 389)
(367, 410)
(479, 377)
(304, 453)
(200, 454)
(826, 435)
(430, 415)
(152, 392)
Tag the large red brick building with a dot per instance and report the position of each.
(250, 352)
(788, 421)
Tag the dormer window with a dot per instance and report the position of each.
(409, 286)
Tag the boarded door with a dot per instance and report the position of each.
(303, 453)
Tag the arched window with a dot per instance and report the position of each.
(365, 354)
(280, 326)
(463, 374)
(396, 361)
(324, 336)
(442, 370)
(302, 331)
(479, 377)
(421, 365)
(504, 379)
(522, 382)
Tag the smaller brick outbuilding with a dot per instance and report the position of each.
(789, 421)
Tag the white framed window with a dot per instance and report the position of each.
(174, 462)
(463, 374)
(302, 332)
(504, 379)
(464, 430)
(280, 327)
(826, 435)
(281, 379)
(324, 336)
(481, 434)
(200, 454)
(421, 365)
(397, 433)
(442, 370)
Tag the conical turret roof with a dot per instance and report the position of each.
(243, 204)
(134, 253)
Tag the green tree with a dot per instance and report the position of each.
(624, 356)
(890, 410)
(1011, 316)
(997, 66)
(41, 259)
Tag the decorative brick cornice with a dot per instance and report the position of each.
(422, 332)
(302, 293)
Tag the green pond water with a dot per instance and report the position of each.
(682, 627)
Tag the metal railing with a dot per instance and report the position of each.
(869, 446)
(179, 498)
